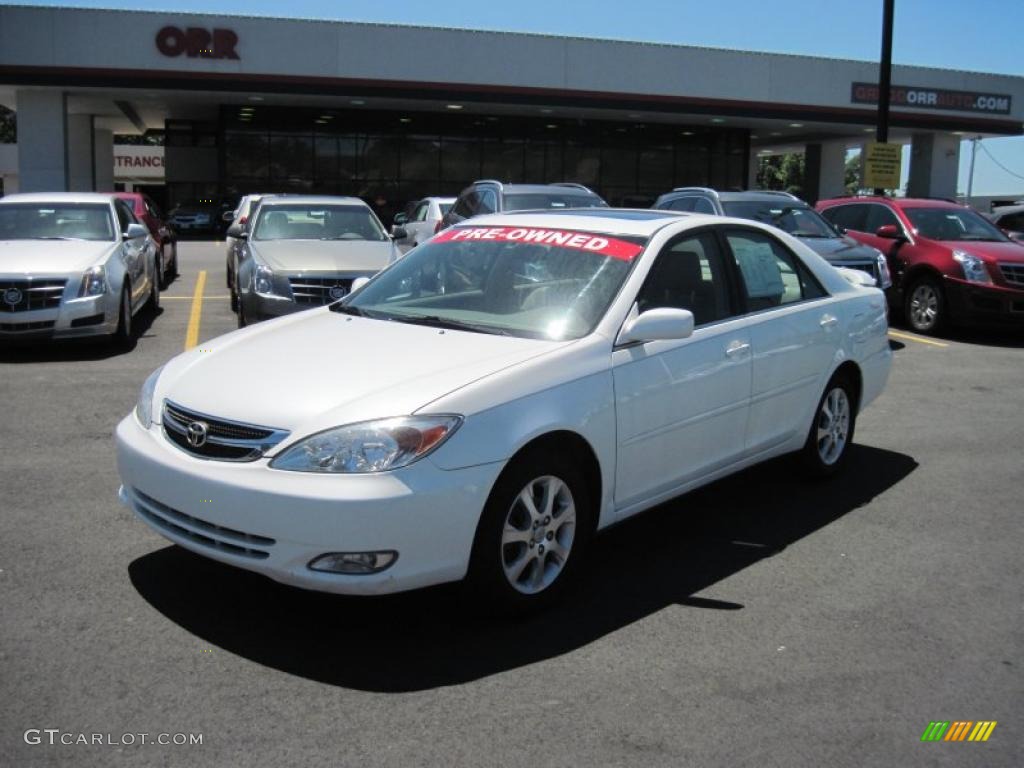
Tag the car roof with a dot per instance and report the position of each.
(896, 202)
(642, 222)
(757, 196)
(539, 188)
(58, 197)
(1002, 210)
(271, 200)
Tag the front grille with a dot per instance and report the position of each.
(221, 439)
(1013, 273)
(316, 291)
(200, 531)
(41, 325)
(26, 295)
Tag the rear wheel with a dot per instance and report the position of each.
(154, 286)
(925, 307)
(242, 322)
(831, 434)
(533, 534)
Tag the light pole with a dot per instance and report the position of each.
(885, 77)
(970, 173)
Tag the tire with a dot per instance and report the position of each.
(122, 337)
(154, 287)
(831, 433)
(925, 306)
(242, 322)
(526, 556)
(234, 301)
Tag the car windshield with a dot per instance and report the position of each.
(516, 281)
(539, 200)
(953, 224)
(56, 221)
(797, 220)
(317, 222)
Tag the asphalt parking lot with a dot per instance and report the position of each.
(759, 621)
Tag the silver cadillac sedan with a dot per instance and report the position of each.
(303, 252)
(73, 264)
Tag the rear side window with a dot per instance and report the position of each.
(488, 201)
(772, 275)
(464, 205)
(852, 216)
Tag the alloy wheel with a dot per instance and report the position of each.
(833, 426)
(538, 534)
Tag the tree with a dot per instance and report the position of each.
(851, 178)
(782, 172)
(8, 126)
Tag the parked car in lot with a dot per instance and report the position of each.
(234, 246)
(301, 252)
(198, 217)
(488, 196)
(1010, 219)
(484, 405)
(423, 220)
(73, 264)
(147, 212)
(790, 214)
(948, 263)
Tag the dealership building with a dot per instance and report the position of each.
(251, 104)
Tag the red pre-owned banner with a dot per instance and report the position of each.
(583, 241)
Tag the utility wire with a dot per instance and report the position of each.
(992, 158)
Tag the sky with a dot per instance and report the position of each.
(979, 35)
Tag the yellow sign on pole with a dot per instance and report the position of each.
(882, 165)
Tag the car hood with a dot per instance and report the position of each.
(1011, 253)
(318, 369)
(324, 255)
(840, 248)
(39, 257)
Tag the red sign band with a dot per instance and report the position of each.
(582, 241)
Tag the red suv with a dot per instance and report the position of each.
(145, 210)
(948, 263)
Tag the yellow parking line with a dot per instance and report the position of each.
(918, 339)
(191, 298)
(192, 337)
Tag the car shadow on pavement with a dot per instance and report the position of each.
(77, 350)
(421, 640)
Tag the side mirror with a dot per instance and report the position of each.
(235, 230)
(228, 216)
(890, 232)
(135, 231)
(400, 219)
(358, 283)
(399, 233)
(662, 324)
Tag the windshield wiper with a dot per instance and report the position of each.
(58, 238)
(434, 321)
(980, 238)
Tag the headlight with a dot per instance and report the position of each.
(263, 281)
(884, 278)
(144, 408)
(974, 267)
(369, 446)
(94, 282)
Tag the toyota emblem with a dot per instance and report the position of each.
(337, 291)
(13, 296)
(196, 433)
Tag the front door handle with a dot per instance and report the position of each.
(737, 349)
(827, 321)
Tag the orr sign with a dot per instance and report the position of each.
(197, 42)
(934, 98)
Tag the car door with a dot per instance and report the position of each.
(681, 405)
(794, 331)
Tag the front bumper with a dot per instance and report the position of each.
(971, 303)
(259, 307)
(275, 522)
(74, 318)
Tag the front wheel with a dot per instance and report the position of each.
(925, 308)
(122, 337)
(831, 434)
(533, 534)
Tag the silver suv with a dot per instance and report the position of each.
(489, 196)
(788, 213)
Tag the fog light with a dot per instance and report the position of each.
(354, 562)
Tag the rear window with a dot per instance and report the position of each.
(539, 200)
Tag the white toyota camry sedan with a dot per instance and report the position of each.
(482, 407)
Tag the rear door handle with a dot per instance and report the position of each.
(827, 321)
(737, 349)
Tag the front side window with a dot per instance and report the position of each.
(684, 204)
(880, 216)
(853, 216)
(689, 274)
(772, 275)
(529, 282)
(488, 201)
(420, 214)
(703, 205)
(317, 222)
(953, 224)
(58, 221)
(124, 215)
